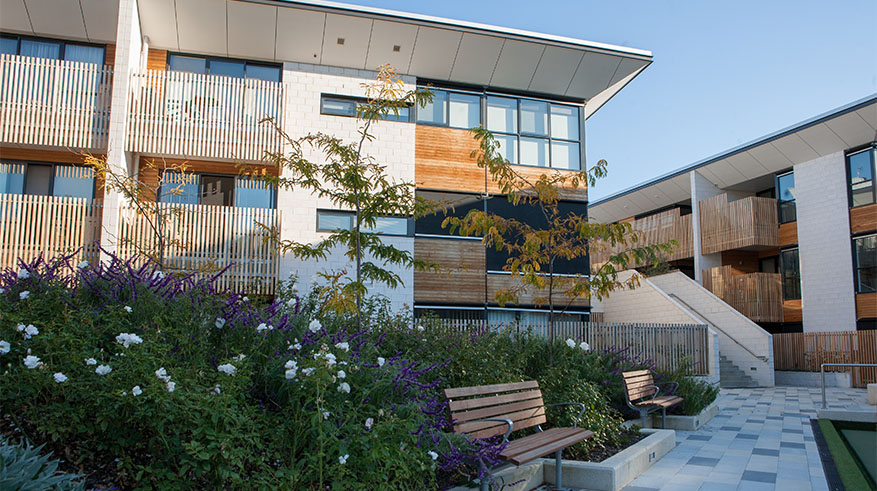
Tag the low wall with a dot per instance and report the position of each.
(812, 379)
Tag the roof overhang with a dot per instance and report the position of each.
(82, 20)
(422, 46)
(745, 167)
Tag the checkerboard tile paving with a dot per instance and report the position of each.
(760, 440)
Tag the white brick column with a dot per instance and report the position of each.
(701, 189)
(128, 47)
(824, 246)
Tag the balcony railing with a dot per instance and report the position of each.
(47, 225)
(758, 296)
(659, 228)
(206, 238)
(747, 222)
(194, 115)
(54, 102)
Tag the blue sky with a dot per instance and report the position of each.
(724, 73)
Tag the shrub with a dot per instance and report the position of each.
(23, 468)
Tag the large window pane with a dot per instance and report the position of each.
(565, 155)
(190, 64)
(330, 221)
(390, 226)
(398, 114)
(502, 114)
(790, 269)
(178, 188)
(866, 264)
(217, 190)
(227, 68)
(262, 72)
(12, 178)
(9, 46)
(40, 49)
(862, 177)
(449, 204)
(565, 122)
(465, 110)
(435, 111)
(38, 180)
(534, 118)
(338, 106)
(85, 54)
(251, 192)
(786, 198)
(508, 147)
(534, 151)
(71, 180)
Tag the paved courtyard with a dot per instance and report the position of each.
(760, 440)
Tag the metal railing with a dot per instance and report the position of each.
(717, 328)
(822, 373)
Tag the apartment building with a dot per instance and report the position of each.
(783, 228)
(152, 84)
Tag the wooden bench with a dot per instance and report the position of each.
(638, 386)
(487, 410)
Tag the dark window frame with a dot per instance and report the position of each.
(236, 177)
(26, 163)
(61, 42)
(409, 222)
(209, 58)
(780, 201)
(857, 286)
(783, 272)
(872, 148)
(360, 100)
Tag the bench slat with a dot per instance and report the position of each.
(496, 411)
(499, 430)
(466, 404)
(635, 394)
(636, 373)
(489, 389)
(636, 385)
(522, 445)
(514, 416)
(567, 439)
(663, 401)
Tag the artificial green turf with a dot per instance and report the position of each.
(850, 473)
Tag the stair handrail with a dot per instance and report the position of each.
(713, 324)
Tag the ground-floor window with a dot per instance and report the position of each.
(865, 263)
(47, 179)
(790, 268)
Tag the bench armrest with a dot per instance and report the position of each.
(581, 412)
(675, 386)
(510, 423)
(630, 403)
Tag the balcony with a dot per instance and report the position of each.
(207, 116)
(207, 238)
(749, 223)
(659, 228)
(47, 225)
(758, 296)
(54, 103)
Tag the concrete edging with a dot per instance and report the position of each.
(677, 422)
(610, 475)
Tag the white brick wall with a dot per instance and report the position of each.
(393, 146)
(643, 304)
(827, 292)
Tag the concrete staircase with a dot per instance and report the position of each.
(731, 376)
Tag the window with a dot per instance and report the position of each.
(347, 106)
(790, 269)
(453, 109)
(52, 49)
(860, 166)
(865, 260)
(46, 179)
(332, 220)
(535, 132)
(451, 204)
(224, 67)
(786, 197)
(216, 189)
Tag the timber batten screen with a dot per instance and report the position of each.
(55, 103)
(209, 116)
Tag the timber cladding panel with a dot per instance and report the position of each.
(758, 296)
(156, 59)
(863, 219)
(529, 295)
(792, 311)
(866, 306)
(442, 161)
(747, 222)
(659, 228)
(788, 234)
(463, 282)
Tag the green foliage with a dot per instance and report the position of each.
(23, 468)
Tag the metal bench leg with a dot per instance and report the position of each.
(558, 469)
(664, 418)
(644, 413)
(485, 486)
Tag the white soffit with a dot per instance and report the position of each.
(243, 41)
(851, 128)
(14, 18)
(770, 157)
(795, 148)
(158, 20)
(202, 26)
(57, 18)
(101, 17)
(386, 37)
(822, 139)
(354, 33)
(299, 35)
(428, 47)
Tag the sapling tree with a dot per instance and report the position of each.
(350, 179)
(536, 248)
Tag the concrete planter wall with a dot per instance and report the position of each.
(813, 379)
(676, 422)
(610, 475)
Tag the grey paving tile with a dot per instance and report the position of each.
(759, 476)
(704, 461)
(765, 451)
(746, 436)
(791, 445)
